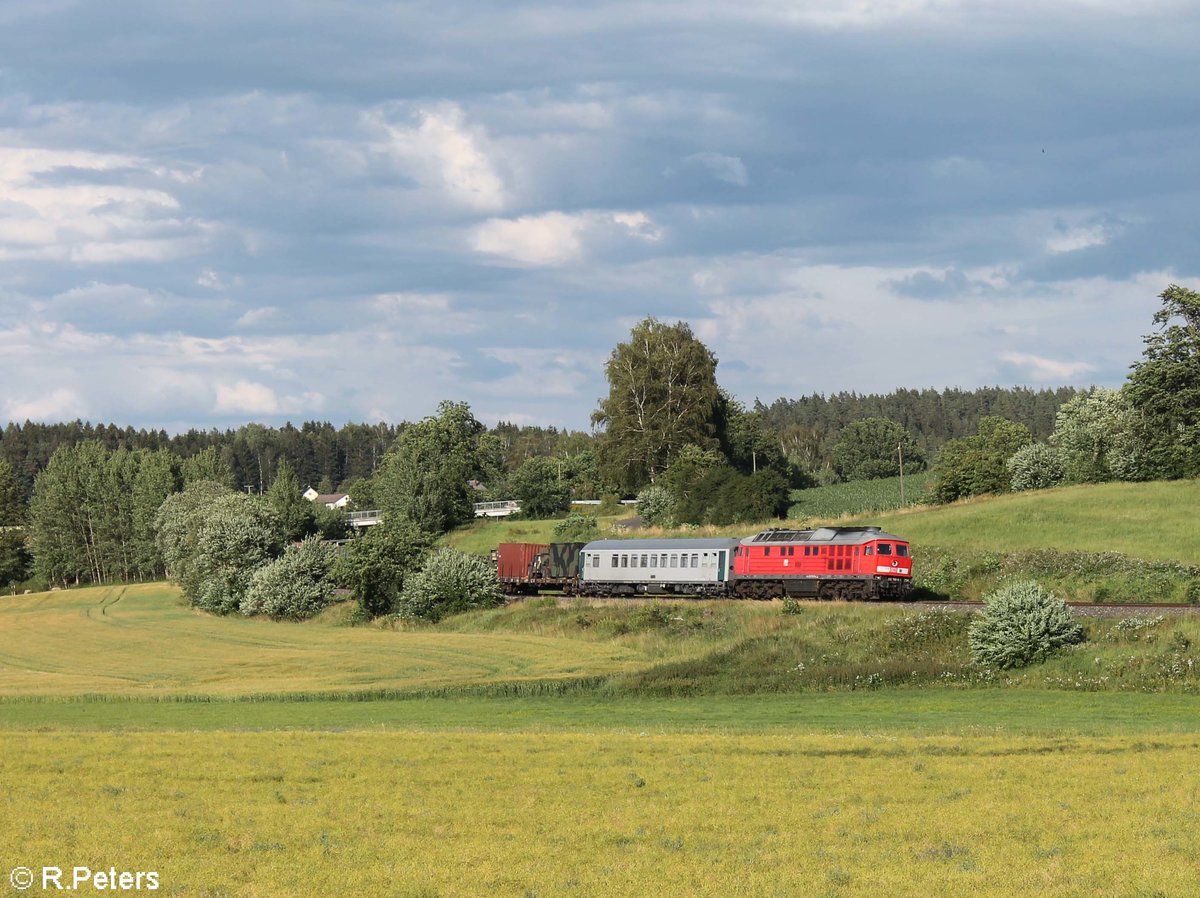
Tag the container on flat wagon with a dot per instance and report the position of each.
(520, 561)
(564, 560)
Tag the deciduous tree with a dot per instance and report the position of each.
(662, 395)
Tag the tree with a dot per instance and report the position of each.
(450, 583)
(207, 465)
(12, 503)
(1165, 386)
(662, 395)
(375, 566)
(873, 447)
(285, 496)
(425, 478)
(1022, 624)
(213, 540)
(975, 465)
(239, 534)
(656, 506)
(540, 488)
(1102, 436)
(1036, 467)
(294, 586)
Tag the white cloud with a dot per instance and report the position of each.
(44, 218)
(245, 397)
(1048, 370)
(556, 238)
(441, 151)
(1070, 240)
(60, 404)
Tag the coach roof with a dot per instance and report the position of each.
(660, 545)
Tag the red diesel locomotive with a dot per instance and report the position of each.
(853, 563)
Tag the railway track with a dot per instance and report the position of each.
(1087, 609)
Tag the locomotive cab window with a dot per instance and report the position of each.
(868, 550)
(885, 548)
(901, 550)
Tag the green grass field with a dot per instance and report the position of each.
(615, 749)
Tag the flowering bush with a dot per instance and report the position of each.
(1022, 624)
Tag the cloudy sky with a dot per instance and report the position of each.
(218, 212)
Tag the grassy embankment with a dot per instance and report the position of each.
(1116, 542)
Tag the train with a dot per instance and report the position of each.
(848, 563)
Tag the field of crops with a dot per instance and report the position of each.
(419, 813)
(825, 504)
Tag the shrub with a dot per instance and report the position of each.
(1022, 624)
(450, 583)
(374, 566)
(656, 506)
(576, 528)
(1037, 466)
(294, 586)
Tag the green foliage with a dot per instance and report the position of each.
(576, 528)
(451, 582)
(540, 488)
(1103, 436)
(873, 447)
(330, 523)
(213, 540)
(374, 566)
(1022, 624)
(294, 586)
(1164, 387)
(12, 504)
(1037, 466)
(747, 442)
(238, 535)
(15, 559)
(425, 478)
(662, 395)
(656, 506)
(973, 466)
(295, 513)
(723, 496)
(207, 464)
(91, 514)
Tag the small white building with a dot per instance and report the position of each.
(329, 500)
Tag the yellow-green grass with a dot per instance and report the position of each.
(420, 813)
(1154, 521)
(142, 640)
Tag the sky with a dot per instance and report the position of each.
(222, 212)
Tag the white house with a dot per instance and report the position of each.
(329, 500)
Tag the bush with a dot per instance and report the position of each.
(374, 566)
(656, 506)
(576, 528)
(1037, 466)
(451, 582)
(1023, 624)
(294, 586)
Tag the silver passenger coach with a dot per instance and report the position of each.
(656, 566)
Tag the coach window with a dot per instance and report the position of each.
(624, 561)
(653, 561)
(615, 560)
(644, 561)
(885, 548)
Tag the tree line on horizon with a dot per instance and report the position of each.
(331, 458)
